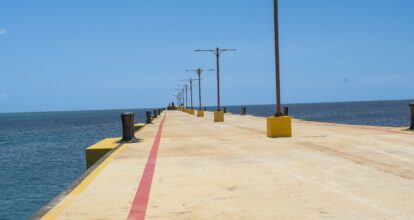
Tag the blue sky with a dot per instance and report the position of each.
(76, 55)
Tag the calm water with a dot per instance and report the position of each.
(42, 153)
(378, 113)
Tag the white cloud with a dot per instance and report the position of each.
(3, 31)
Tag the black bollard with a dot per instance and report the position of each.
(412, 115)
(128, 127)
(285, 110)
(159, 111)
(225, 109)
(205, 108)
(148, 113)
(243, 110)
(155, 114)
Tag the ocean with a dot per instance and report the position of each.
(43, 153)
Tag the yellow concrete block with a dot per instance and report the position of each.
(191, 111)
(279, 126)
(138, 126)
(219, 116)
(98, 150)
(200, 113)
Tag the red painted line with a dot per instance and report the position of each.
(140, 202)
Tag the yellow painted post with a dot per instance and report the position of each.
(219, 116)
(200, 113)
(191, 111)
(280, 126)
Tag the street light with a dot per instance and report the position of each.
(191, 91)
(277, 58)
(191, 110)
(179, 96)
(218, 115)
(217, 52)
(199, 71)
(186, 95)
(280, 125)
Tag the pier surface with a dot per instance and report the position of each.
(192, 168)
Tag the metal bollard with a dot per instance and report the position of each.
(225, 109)
(243, 110)
(128, 127)
(155, 113)
(285, 110)
(411, 105)
(159, 111)
(148, 113)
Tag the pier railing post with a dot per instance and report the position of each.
(243, 111)
(128, 127)
(285, 110)
(148, 113)
(411, 105)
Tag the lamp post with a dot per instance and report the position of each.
(191, 93)
(191, 111)
(185, 89)
(199, 71)
(217, 52)
(186, 95)
(179, 97)
(277, 59)
(280, 125)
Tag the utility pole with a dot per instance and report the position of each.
(186, 95)
(179, 95)
(279, 125)
(191, 91)
(199, 88)
(217, 52)
(277, 59)
(182, 97)
(199, 71)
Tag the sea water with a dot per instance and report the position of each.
(43, 153)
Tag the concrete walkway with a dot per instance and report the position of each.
(231, 170)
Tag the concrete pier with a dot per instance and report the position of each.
(189, 167)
